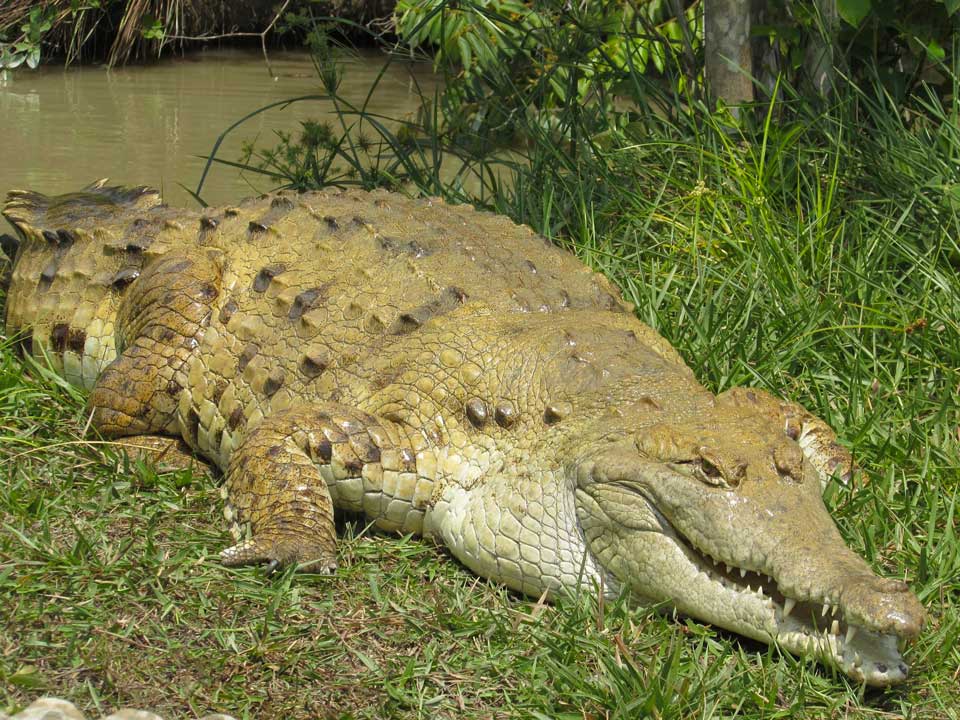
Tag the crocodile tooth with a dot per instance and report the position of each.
(851, 633)
(727, 567)
(835, 628)
(857, 660)
(823, 613)
(788, 605)
(743, 572)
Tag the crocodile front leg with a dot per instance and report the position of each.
(816, 439)
(281, 476)
(159, 326)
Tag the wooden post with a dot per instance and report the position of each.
(729, 64)
(818, 59)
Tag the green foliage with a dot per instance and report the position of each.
(65, 26)
(555, 52)
(901, 42)
(114, 30)
(152, 28)
(853, 11)
(26, 48)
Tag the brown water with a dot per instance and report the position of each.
(62, 129)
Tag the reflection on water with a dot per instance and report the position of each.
(62, 129)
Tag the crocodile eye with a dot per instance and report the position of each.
(709, 469)
(709, 473)
(700, 469)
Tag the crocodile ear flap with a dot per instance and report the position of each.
(621, 462)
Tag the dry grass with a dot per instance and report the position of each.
(113, 30)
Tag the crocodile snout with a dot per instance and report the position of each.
(884, 605)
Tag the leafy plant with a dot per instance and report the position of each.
(112, 29)
(152, 28)
(901, 42)
(555, 53)
(26, 49)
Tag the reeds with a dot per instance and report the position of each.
(119, 30)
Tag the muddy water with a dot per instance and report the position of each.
(62, 129)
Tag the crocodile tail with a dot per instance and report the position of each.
(31, 212)
(74, 256)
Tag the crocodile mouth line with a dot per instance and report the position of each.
(819, 627)
(806, 627)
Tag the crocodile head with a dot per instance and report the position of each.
(723, 519)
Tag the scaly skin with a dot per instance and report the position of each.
(447, 373)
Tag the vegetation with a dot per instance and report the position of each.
(901, 40)
(901, 43)
(617, 37)
(32, 30)
(117, 31)
(813, 253)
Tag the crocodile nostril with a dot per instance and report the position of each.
(788, 462)
(892, 585)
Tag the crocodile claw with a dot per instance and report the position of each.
(280, 552)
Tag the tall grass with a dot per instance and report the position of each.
(812, 252)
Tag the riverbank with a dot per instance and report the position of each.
(118, 31)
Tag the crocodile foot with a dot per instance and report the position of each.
(278, 551)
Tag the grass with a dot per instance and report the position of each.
(815, 255)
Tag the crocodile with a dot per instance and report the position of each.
(447, 373)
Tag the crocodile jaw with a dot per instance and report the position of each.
(708, 553)
(867, 656)
(817, 630)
